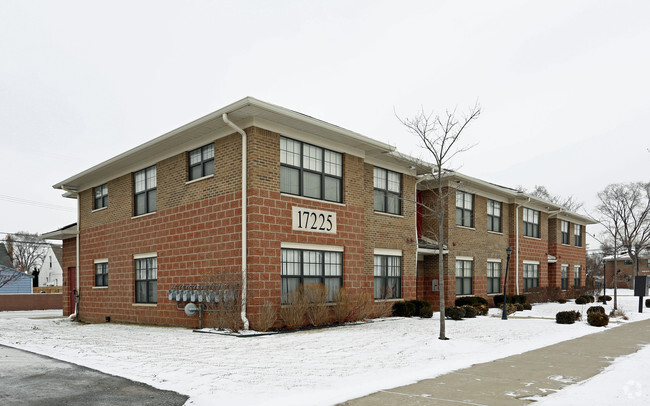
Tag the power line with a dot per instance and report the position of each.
(34, 203)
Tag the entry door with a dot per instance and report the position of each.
(72, 285)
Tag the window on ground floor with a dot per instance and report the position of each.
(101, 273)
(464, 277)
(146, 279)
(531, 276)
(493, 277)
(388, 277)
(576, 275)
(564, 277)
(300, 267)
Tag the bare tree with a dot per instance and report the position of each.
(439, 135)
(624, 211)
(568, 203)
(29, 251)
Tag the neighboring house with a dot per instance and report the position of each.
(323, 204)
(51, 273)
(625, 269)
(19, 283)
(5, 260)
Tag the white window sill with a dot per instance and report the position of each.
(143, 215)
(100, 287)
(495, 232)
(311, 199)
(199, 179)
(465, 227)
(100, 209)
(144, 304)
(383, 213)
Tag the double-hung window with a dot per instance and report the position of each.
(201, 162)
(565, 232)
(564, 277)
(531, 276)
(464, 277)
(577, 235)
(310, 171)
(388, 187)
(388, 277)
(494, 216)
(101, 272)
(146, 279)
(464, 209)
(493, 277)
(145, 190)
(300, 267)
(576, 275)
(100, 194)
(531, 223)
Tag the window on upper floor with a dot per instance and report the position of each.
(387, 189)
(101, 273)
(531, 223)
(201, 162)
(577, 235)
(310, 171)
(464, 209)
(100, 194)
(494, 216)
(388, 277)
(145, 191)
(565, 232)
(146, 280)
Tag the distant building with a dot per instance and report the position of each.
(5, 260)
(51, 273)
(21, 283)
(625, 269)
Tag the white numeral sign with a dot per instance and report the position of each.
(317, 221)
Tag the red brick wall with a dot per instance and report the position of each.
(36, 301)
(196, 232)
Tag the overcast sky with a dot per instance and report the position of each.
(563, 85)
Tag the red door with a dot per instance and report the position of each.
(72, 285)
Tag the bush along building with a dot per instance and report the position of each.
(163, 224)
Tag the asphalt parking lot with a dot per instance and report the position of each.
(30, 379)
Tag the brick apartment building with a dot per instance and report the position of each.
(626, 269)
(323, 204)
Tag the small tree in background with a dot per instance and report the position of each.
(28, 251)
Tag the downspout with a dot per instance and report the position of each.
(244, 206)
(517, 206)
(76, 307)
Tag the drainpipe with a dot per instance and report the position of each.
(76, 307)
(244, 206)
(517, 206)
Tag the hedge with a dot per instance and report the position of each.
(598, 319)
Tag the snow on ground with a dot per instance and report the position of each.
(316, 367)
(625, 382)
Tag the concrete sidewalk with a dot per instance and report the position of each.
(513, 380)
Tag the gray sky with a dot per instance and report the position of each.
(563, 85)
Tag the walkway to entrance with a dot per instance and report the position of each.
(514, 380)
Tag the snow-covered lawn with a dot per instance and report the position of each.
(317, 367)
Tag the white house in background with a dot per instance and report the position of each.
(51, 273)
